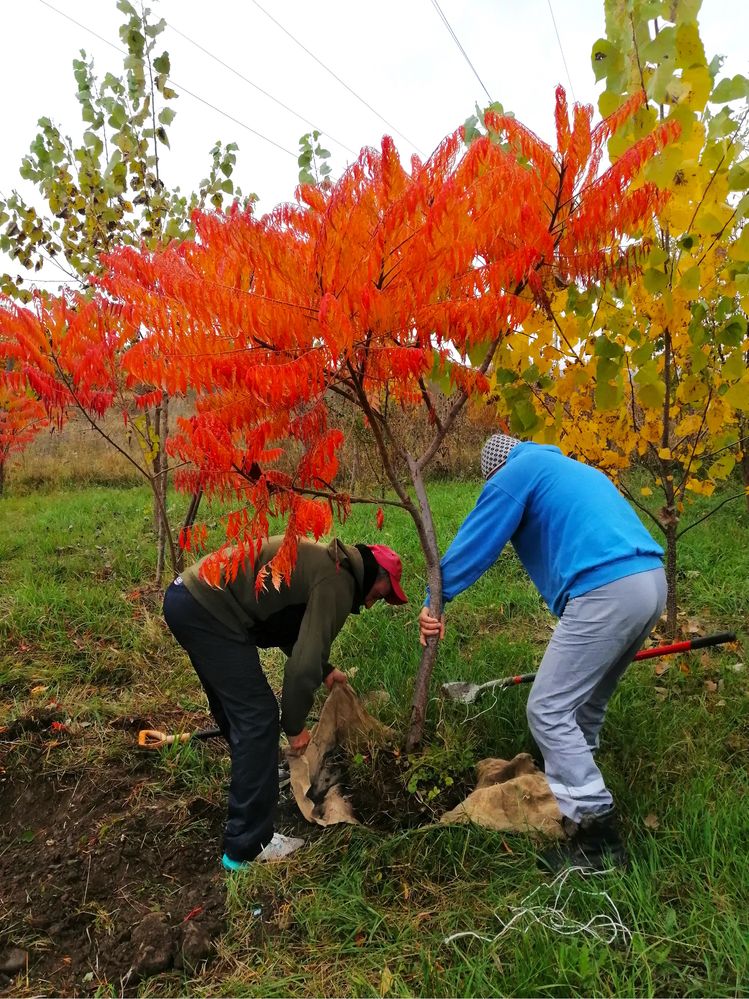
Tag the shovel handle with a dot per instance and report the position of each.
(152, 738)
(660, 650)
(693, 643)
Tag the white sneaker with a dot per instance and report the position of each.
(279, 847)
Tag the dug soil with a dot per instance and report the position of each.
(109, 864)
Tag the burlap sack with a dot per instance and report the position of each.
(510, 796)
(343, 722)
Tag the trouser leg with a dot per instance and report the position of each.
(246, 711)
(593, 643)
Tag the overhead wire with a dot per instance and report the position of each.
(270, 96)
(179, 86)
(559, 40)
(336, 77)
(455, 38)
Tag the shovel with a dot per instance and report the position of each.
(469, 693)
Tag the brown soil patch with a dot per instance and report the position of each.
(107, 877)
(110, 870)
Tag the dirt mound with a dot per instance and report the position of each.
(107, 876)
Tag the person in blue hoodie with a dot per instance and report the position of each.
(601, 574)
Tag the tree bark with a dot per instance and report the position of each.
(671, 605)
(192, 512)
(160, 471)
(743, 434)
(428, 537)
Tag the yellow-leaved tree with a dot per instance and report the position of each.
(653, 371)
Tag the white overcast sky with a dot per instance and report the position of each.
(396, 54)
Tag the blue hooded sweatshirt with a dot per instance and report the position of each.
(571, 528)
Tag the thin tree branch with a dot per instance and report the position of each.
(710, 513)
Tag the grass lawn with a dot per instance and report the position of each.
(98, 838)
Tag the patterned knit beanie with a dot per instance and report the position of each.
(494, 453)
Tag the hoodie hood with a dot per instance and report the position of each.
(350, 559)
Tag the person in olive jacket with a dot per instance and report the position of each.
(221, 629)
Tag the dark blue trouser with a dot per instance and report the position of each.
(246, 711)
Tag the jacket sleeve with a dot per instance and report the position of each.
(480, 540)
(327, 609)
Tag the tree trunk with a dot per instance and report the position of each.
(428, 537)
(192, 512)
(670, 531)
(743, 434)
(160, 487)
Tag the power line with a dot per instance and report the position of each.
(336, 77)
(556, 31)
(457, 42)
(260, 89)
(184, 89)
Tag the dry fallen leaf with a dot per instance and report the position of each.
(661, 668)
(651, 821)
(711, 685)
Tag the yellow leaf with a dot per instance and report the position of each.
(385, 981)
(646, 491)
(665, 453)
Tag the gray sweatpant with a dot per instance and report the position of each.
(596, 638)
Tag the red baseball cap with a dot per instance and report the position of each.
(391, 563)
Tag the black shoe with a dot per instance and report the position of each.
(595, 844)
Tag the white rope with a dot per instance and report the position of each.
(604, 926)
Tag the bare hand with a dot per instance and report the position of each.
(298, 743)
(430, 626)
(335, 676)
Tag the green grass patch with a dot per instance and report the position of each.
(367, 914)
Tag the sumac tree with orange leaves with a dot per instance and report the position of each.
(22, 417)
(373, 291)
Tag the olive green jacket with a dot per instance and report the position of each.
(302, 617)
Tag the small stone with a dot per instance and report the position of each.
(14, 961)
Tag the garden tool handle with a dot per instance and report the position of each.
(151, 738)
(507, 681)
(693, 643)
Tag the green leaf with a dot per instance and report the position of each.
(690, 279)
(738, 176)
(662, 48)
(652, 395)
(733, 332)
(167, 116)
(608, 349)
(606, 395)
(470, 131)
(732, 89)
(161, 63)
(655, 281)
(738, 396)
(602, 57)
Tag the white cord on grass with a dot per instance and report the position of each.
(604, 926)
